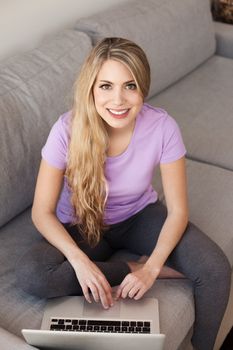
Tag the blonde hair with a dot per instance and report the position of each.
(89, 138)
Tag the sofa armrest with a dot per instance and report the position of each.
(224, 39)
(10, 341)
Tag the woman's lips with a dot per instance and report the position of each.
(118, 113)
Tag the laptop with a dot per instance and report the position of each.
(71, 323)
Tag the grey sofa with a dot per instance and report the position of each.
(190, 79)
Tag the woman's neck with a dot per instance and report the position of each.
(119, 139)
(120, 132)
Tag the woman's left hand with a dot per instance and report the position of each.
(136, 283)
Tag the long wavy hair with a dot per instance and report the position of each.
(89, 139)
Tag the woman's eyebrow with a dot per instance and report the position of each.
(105, 81)
(109, 82)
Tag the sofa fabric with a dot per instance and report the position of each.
(202, 105)
(224, 37)
(11, 342)
(170, 45)
(34, 91)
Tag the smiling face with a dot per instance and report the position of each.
(117, 98)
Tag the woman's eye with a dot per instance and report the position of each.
(105, 86)
(131, 86)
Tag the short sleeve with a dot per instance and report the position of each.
(173, 147)
(56, 146)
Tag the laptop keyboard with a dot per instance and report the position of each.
(106, 326)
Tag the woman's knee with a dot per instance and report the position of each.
(33, 271)
(215, 265)
(201, 259)
(214, 268)
(219, 268)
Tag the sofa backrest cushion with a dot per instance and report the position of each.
(176, 35)
(34, 91)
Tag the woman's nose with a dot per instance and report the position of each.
(118, 97)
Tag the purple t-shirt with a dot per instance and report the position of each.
(156, 139)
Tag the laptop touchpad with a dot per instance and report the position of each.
(96, 310)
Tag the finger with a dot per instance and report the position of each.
(95, 293)
(126, 289)
(121, 287)
(118, 293)
(98, 287)
(140, 294)
(103, 298)
(109, 297)
(103, 287)
(132, 293)
(86, 294)
(107, 289)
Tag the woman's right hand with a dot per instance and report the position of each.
(92, 279)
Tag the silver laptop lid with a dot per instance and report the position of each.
(92, 341)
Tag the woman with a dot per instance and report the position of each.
(94, 196)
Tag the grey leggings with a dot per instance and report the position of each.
(45, 272)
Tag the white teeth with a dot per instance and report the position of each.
(118, 112)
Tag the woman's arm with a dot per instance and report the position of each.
(175, 191)
(173, 175)
(48, 188)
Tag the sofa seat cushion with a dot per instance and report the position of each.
(35, 88)
(19, 310)
(202, 104)
(11, 342)
(176, 35)
(210, 202)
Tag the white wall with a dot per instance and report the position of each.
(24, 23)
